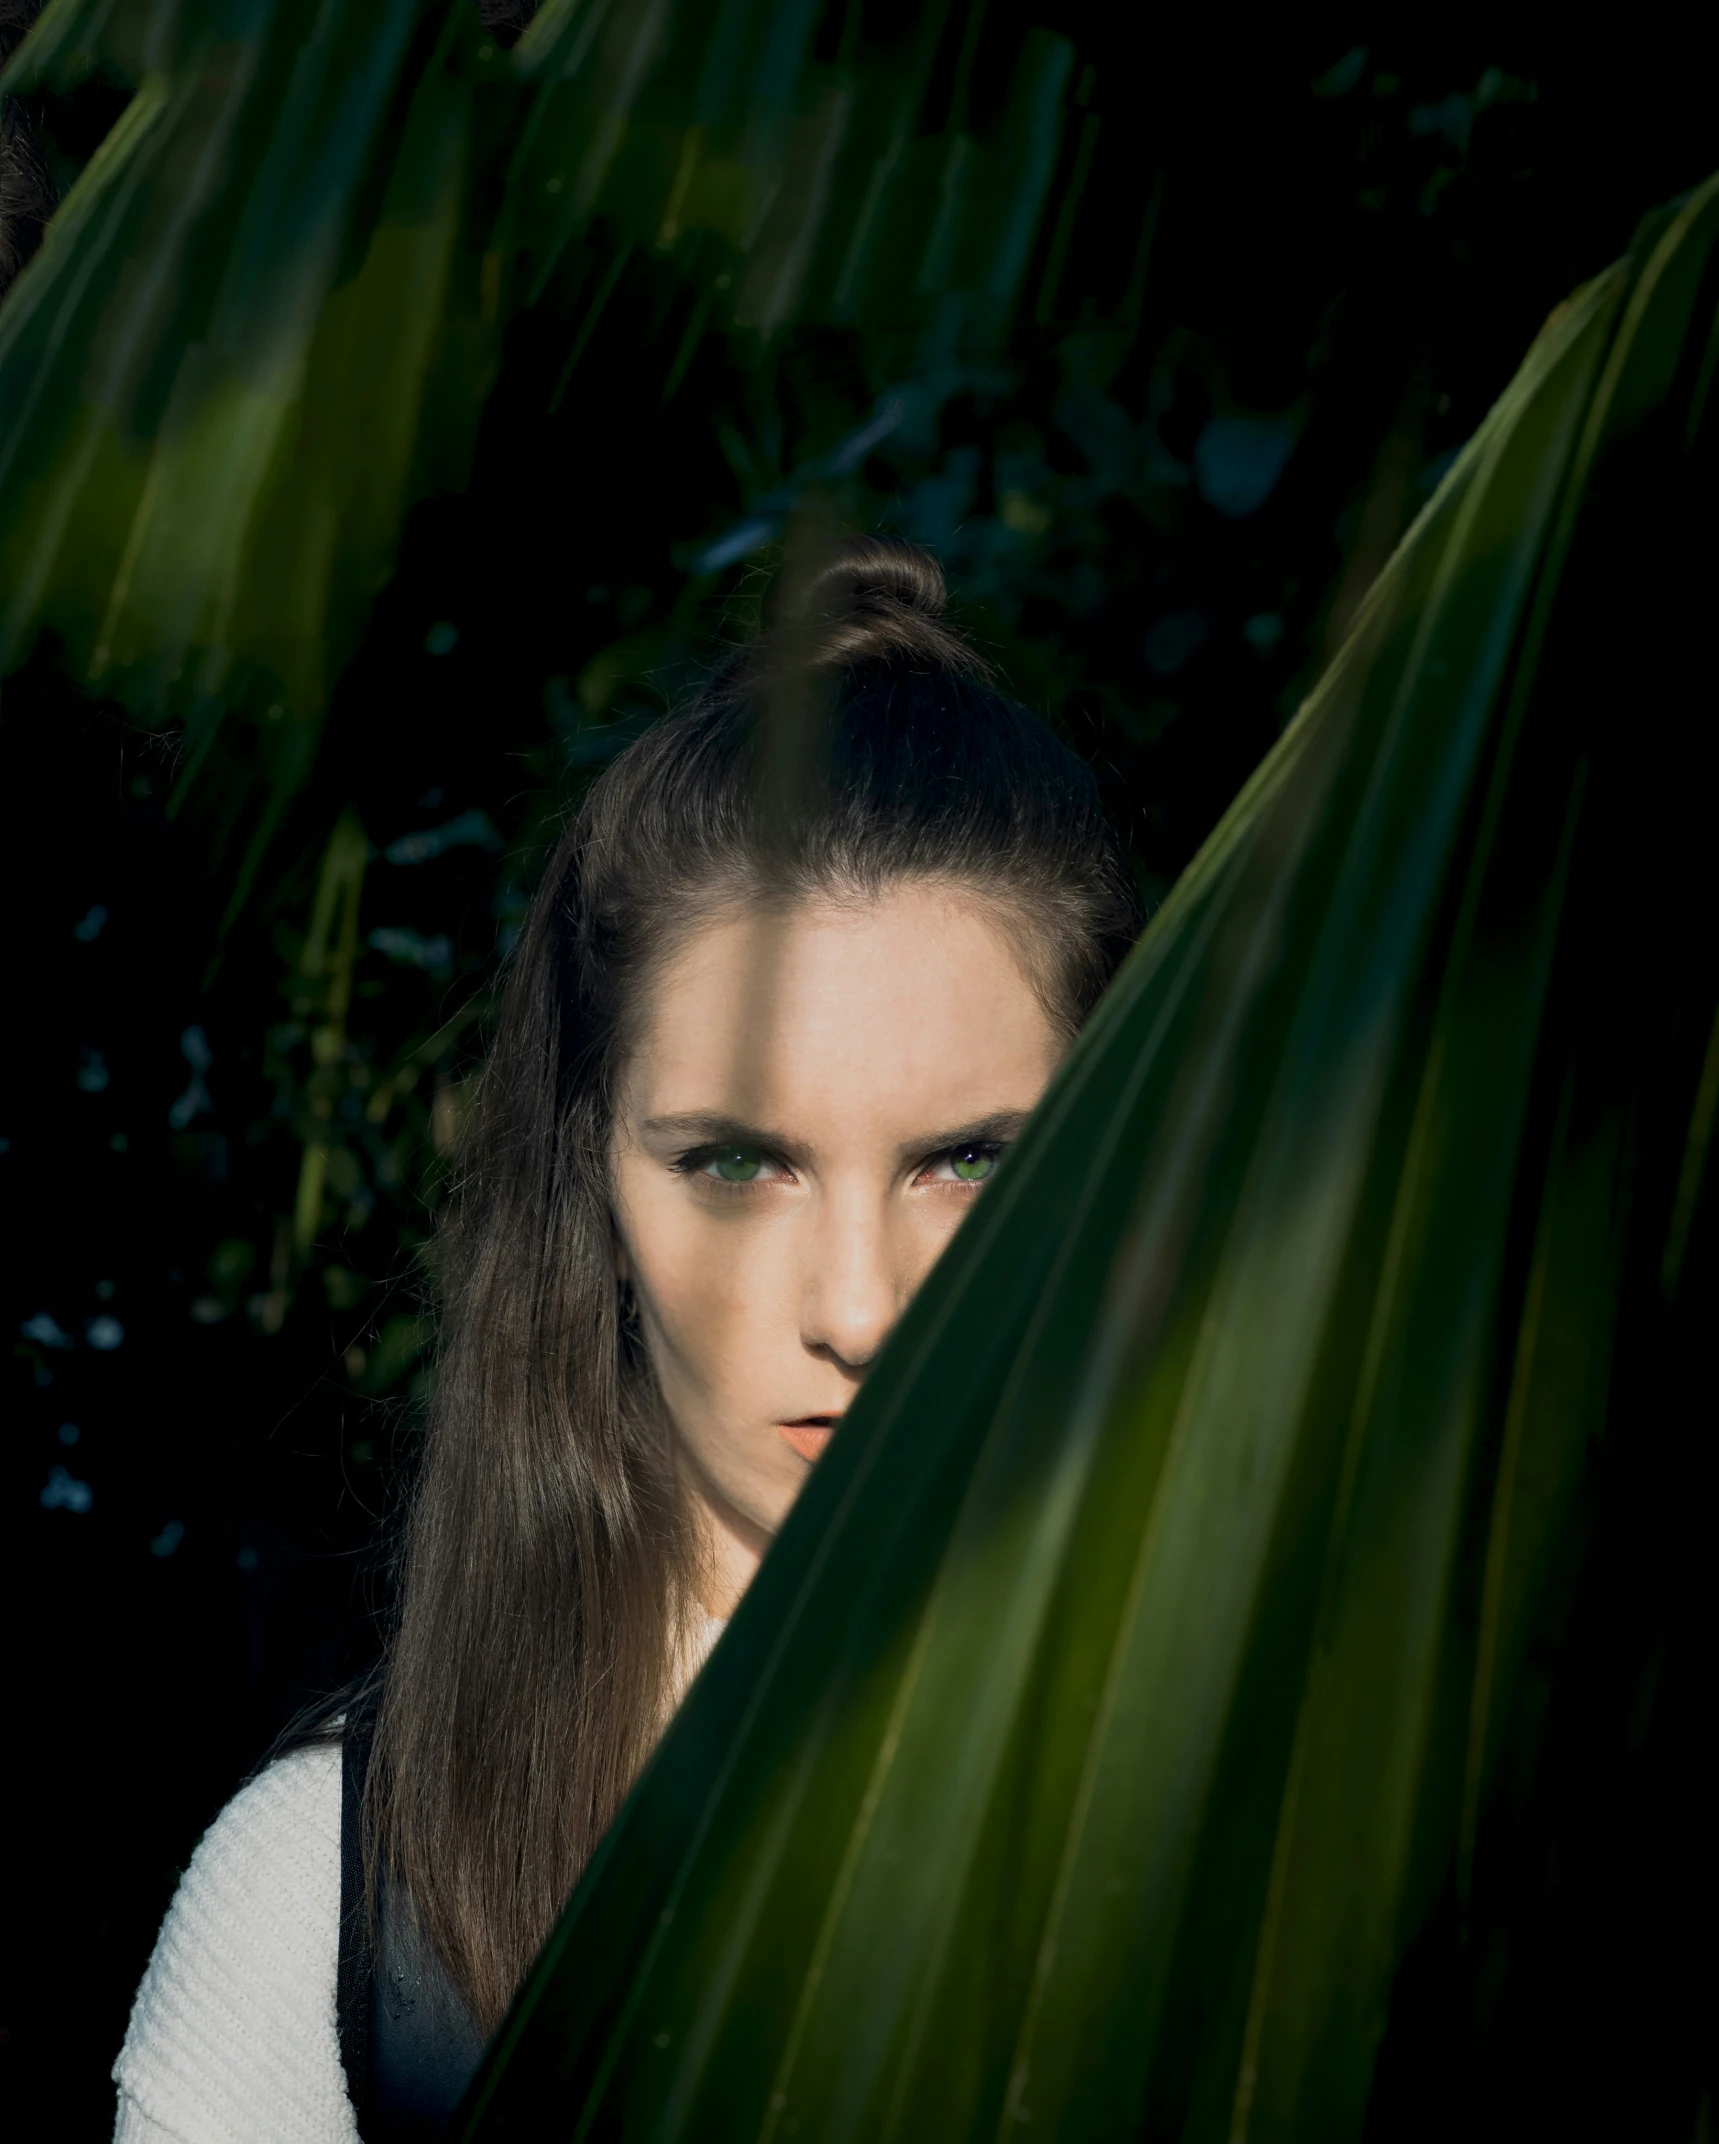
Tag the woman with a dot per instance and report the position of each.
(802, 966)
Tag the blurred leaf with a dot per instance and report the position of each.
(1134, 1674)
(230, 1264)
(1238, 460)
(214, 373)
(829, 191)
(398, 1347)
(268, 314)
(326, 966)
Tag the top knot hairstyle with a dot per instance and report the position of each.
(548, 1558)
(858, 743)
(883, 602)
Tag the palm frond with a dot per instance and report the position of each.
(1139, 1669)
(267, 316)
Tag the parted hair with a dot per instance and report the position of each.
(548, 1558)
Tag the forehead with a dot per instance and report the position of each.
(908, 1008)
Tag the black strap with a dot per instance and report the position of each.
(409, 2044)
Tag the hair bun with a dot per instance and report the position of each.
(873, 570)
(879, 600)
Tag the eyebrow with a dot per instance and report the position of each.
(700, 1127)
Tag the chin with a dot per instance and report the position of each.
(774, 1499)
(761, 1487)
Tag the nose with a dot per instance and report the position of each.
(853, 1293)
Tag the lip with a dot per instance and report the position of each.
(810, 1435)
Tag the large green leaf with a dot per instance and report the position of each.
(793, 189)
(268, 314)
(213, 378)
(1135, 1673)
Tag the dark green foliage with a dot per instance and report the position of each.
(226, 1123)
(214, 380)
(269, 312)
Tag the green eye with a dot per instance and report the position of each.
(972, 1164)
(736, 1164)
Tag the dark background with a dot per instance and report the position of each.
(1158, 522)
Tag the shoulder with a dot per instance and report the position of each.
(233, 2032)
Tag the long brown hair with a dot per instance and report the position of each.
(548, 1557)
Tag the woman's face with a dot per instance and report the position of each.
(812, 1106)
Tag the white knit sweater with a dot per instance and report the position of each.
(233, 2032)
(233, 2036)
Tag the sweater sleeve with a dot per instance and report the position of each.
(233, 2037)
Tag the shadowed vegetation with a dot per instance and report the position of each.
(389, 423)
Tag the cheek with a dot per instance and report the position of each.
(937, 1214)
(711, 1298)
(690, 1295)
